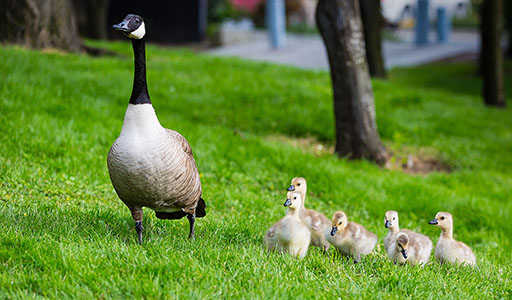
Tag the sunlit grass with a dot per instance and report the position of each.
(65, 234)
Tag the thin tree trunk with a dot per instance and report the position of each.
(92, 16)
(39, 24)
(508, 25)
(340, 24)
(492, 53)
(372, 24)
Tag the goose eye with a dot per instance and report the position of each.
(294, 198)
(298, 184)
(442, 218)
(393, 218)
(340, 223)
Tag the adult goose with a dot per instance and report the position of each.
(149, 165)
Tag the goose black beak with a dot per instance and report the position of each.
(388, 224)
(433, 222)
(334, 230)
(288, 202)
(291, 188)
(404, 253)
(123, 26)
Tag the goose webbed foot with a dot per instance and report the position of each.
(192, 220)
(139, 229)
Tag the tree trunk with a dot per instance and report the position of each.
(39, 24)
(508, 25)
(491, 63)
(340, 24)
(372, 24)
(92, 16)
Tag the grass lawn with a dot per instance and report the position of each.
(252, 126)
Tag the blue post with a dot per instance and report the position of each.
(422, 25)
(276, 23)
(443, 25)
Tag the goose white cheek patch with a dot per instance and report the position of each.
(139, 33)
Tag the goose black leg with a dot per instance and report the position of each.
(192, 220)
(139, 228)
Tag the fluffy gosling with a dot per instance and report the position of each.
(417, 246)
(448, 250)
(290, 234)
(350, 238)
(316, 222)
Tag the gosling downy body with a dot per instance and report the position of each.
(448, 250)
(350, 238)
(316, 222)
(149, 165)
(409, 247)
(290, 234)
(418, 246)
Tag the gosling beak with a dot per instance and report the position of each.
(388, 224)
(123, 26)
(404, 253)
(291, 188)
(334, 230)
(433, 222)
(288, 202)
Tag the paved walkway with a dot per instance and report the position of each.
(307, 51)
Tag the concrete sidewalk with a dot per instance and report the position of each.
(308, 51)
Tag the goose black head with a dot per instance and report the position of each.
(132, 26)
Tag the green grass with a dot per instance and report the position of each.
(65, 234)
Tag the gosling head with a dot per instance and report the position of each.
(298, 184)
(132, 26)
(339, 222)
(443, 220)
(391, 219)
(402, 243)
(293, 200)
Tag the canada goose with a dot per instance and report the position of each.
(410, 248)
(290, 234)
(447, 248)
(419, 245)
(350, 238)
(150, 165)
(316, 222)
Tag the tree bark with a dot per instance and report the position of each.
(39, 24)
(340, 25)
(372, 24)
(508, 26)
(491, 58)
(92, 16)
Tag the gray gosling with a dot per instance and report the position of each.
(290, 234)
(316, 222)
(448, 250)
(350, 238)
(405, 246)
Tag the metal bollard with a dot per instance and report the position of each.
(422, 26)
(443, 25)
(276, 23)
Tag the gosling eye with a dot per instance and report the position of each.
(298, 184)
(340, 223)
(294, 198)
(442, 218)
(393, 218)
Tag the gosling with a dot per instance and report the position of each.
(417, 246)
(317, 223)
(410, 248)
(290, 234)
(448, 250)
(350, 238)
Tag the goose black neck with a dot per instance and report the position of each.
(140, 93)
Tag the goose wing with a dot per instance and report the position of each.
(182, 141)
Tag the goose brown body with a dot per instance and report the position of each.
(151, 166)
